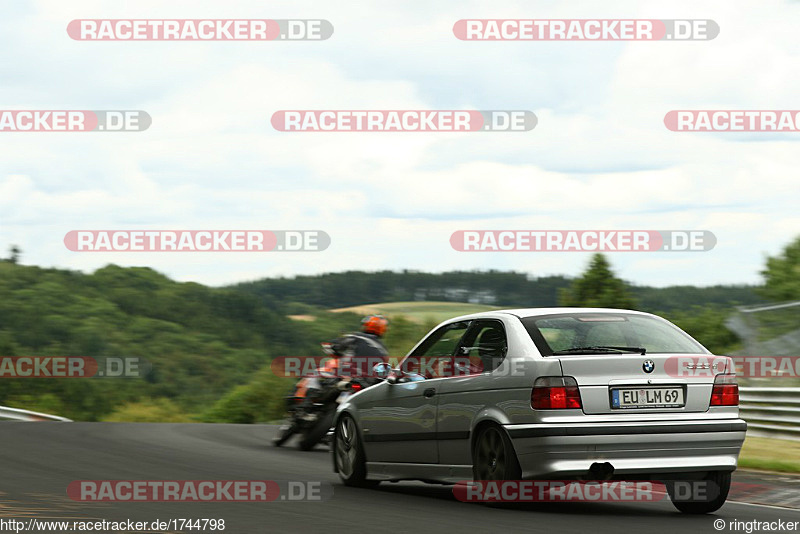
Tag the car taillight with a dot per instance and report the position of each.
(355, 387)
(725, 392)
(555, 393)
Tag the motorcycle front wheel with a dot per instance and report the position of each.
(284, 433)
(315, 434)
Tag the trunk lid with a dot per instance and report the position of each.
(636, 383)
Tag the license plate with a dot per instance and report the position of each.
(626, 398)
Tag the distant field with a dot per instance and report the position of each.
(419, 311)
(302, 317)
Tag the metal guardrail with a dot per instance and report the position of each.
(15, 414)
(771, 412)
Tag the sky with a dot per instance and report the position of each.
(600, 156)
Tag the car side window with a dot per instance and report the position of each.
(434, 358)
(484, 347)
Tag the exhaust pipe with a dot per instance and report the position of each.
(601, 471)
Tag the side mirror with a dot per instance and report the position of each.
(382, 370)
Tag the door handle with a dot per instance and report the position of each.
(430, 392)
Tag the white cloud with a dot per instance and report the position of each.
(599, 158)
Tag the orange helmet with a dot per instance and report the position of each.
(374, 324)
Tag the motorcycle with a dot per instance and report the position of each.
(311, 415)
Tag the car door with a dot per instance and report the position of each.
(473, 387)
(399, 425)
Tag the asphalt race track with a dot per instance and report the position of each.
(39, 460)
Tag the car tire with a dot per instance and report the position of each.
(493, 457)
(348, 454)
(713, 502)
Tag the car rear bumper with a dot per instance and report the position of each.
(632, 448)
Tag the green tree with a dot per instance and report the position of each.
(15, 251)
(707, 325)
(147, 410)
(782, 274)
(260, 400)
(598, 288)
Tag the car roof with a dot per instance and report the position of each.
(535, 312)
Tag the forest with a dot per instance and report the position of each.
(208, 349)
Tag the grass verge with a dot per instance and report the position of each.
(771, 455)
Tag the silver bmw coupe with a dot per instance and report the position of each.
(548, 394)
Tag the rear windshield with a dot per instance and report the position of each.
(554, 333)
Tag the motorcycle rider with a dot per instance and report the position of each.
(353, 355)
(359, 351)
